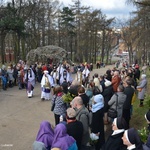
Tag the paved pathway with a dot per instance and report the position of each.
(20, 117)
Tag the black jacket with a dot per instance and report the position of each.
(107, 94)
(98, 126)
(75, 129)
(85, 99)
(129, 91)
(114, 142)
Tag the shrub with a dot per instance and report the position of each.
(143, 134)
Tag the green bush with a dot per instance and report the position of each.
(143, 134)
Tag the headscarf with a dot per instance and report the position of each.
(99, 103)
(143, 76)
(121, 123)
(61, 139)
(45, 134)
(147, 116)
(30, 76)
(133, 137)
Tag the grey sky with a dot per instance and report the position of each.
(112, 8)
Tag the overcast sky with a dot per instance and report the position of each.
(112, 8)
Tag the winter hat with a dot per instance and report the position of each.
(147, 116)
(120, 123)
(132, 136)
(143, 76)
(98, 98)
(71, 113)
(107, 83)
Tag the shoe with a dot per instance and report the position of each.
(42, 99)
(29, 95)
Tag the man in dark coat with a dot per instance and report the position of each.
(107, 94)
(129, 91)
(137, 72)
(84, 117)
(74, 127)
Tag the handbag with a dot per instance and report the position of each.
(112, 113)
(53, 106)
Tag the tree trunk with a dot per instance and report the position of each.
(95, 48)
(103, 46)
(3, 35)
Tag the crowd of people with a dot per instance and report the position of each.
(84, 117)
(80, 118)
(48, 75)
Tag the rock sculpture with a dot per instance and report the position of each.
(45, 53)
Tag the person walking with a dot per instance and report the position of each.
(47, 83)
(29, 79)
(86, 75)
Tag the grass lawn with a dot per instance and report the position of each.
(138, 118)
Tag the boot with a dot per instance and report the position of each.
(141, 103)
